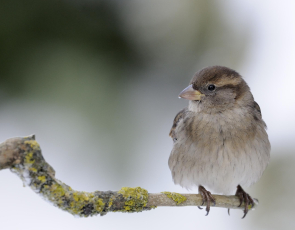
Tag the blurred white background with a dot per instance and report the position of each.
(97, 82)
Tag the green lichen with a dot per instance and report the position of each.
(136, 198)
(178, 198)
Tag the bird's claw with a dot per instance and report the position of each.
(206, 197)
(246, 198)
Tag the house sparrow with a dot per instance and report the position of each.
(219, 140)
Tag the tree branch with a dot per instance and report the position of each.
(23, 156)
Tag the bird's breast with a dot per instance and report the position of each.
(233, 128)
(219, 150)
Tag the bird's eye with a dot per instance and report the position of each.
(211, 87)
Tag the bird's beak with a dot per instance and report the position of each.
(191, 94)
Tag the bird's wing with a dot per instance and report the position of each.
(177, 118)
(257, 109)
(258, 115)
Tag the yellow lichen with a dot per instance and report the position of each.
(85, 197)
(82, 196)
(81, 199)
(76, 196)
(178, 198)
(33, 169)
(136, 198)
(57, 190)
(99, 205)
(75, 207)
(110, 202)
(34, 144)
(29, 158)
(90, 195)
(42, 179)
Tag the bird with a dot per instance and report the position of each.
(220, 141)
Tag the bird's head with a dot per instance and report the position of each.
(215, 89)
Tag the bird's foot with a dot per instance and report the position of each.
(246, 198)
(206, 197)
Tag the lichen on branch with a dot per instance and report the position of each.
(23, 156)
(178, 198)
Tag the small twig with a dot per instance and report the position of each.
(23, 156)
